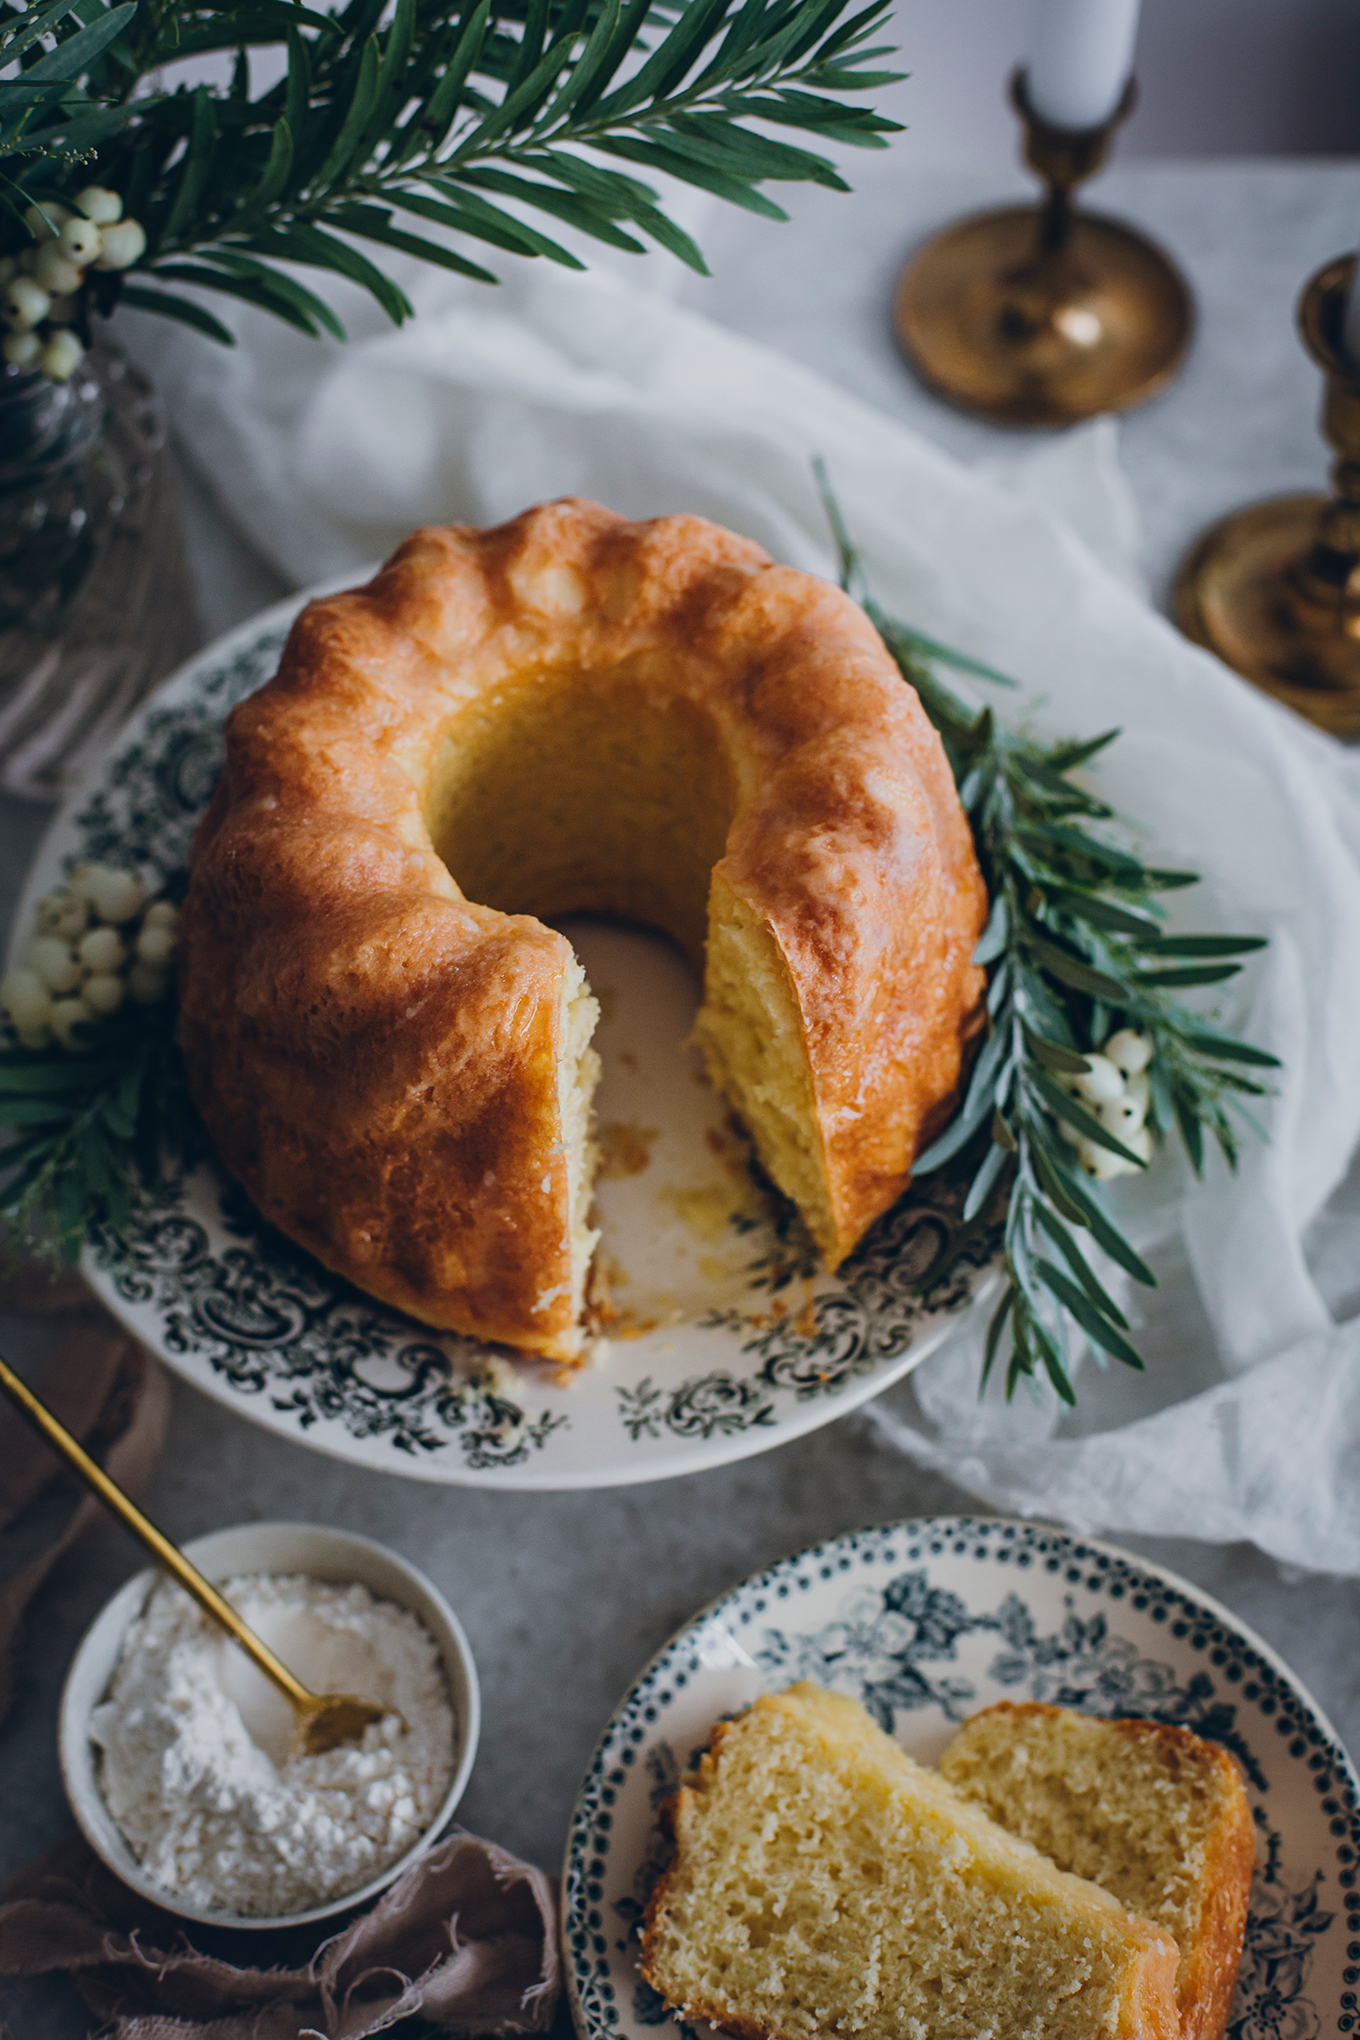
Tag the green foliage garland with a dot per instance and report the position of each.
(1075, 950)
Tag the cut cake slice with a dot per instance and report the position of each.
(825, 1883)
(1152, 1813)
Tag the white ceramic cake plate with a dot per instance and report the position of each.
(725, 1339)
(925, 1622)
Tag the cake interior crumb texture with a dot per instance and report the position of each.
(616, 799)
(1156, 1815)
(825, 1883)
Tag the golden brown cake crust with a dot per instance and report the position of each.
(375, 1054)
(1207, 1979)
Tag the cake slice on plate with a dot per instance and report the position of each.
(1153, 1813)
(824, 1883)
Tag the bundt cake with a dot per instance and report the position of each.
(1150, 1812)
(567, 713)
(823, 1883)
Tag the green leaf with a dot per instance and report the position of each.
(676, 163)
(373, 225)
(365, 98)
(984, 1182)
(1077, 1262)
(1204, 945)
(168, 306)
(1102, 913)
(51, 1076)
(318, 250)
(1092, 1321)
(469, 213)
(18, 1111)
(194, 169)
(257, 288)
(1070, 970)
(992, 941)
(1227, 1047)
(277, 171)
(1082, 1197)
(279, 286)
(1066, 1061)
(563, 205)
(77, 52)
(1196, 974)
(449, 91)
(994, 1333)
(1061, 836)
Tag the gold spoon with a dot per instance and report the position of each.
(321, 1720)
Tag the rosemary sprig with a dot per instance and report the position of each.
(1075, 951)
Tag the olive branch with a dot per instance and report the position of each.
(1075, 951)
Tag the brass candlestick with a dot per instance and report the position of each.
(1275, 588)
(1042, 315)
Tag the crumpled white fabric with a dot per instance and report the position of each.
(492, 399)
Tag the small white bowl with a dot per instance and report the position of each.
(324, 1554)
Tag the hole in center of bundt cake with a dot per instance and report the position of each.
(597, 794)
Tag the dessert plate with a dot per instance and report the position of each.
(722, 1337)
(924, 1622)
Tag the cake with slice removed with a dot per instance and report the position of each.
(1152, 1813)
(823, 1883)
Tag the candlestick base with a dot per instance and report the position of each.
(1244, 592)
(1028, 336)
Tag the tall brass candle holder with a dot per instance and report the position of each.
(1275, 588)
(1043, 315)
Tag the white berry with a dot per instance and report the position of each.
(115, 895)
(80, 242)
(1139, 1090)
(1129, 1051)
(161, 914)
(53, 960)
(61, 913)
(103, 993)
(146, 984)
(1140, 1143)
(25, 998)
(99, 204)
(67, 1016)
(155, 945)
(55, 271)
(45, 222)
(25, 305)
(121, 245)
(1100, 1163)
(32, 1037)
(62, 356)
(1121, 1116)
(102, 950)
(1098, 1081)
(21, 350)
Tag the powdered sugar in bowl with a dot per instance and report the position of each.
(177, 1759)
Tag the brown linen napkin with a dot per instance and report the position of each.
(108, 1391)
(467, 1940)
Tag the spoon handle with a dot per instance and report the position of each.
(170, 1556)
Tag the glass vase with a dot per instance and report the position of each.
(96, 602)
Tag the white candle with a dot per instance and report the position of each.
(1080, 60)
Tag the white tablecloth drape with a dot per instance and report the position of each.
(492, 399)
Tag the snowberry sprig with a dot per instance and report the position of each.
(43, 284)
(1116, 1087)
(98, 943)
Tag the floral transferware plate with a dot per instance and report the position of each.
(925, 1622)
(722, 1337)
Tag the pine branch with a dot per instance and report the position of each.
(470, 117)
(1077, 960)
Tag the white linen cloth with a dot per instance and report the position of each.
(325, 456)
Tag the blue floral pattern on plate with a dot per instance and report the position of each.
(925, 1621)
